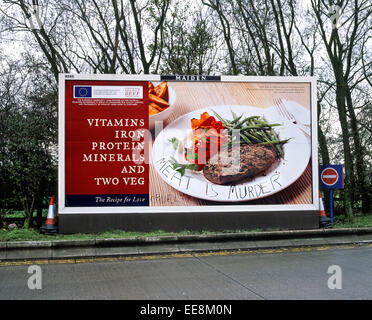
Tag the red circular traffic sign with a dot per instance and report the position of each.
(329, 176)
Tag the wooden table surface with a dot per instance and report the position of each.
(197, 95)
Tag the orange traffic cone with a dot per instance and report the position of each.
(324, 221)
(322, 212)
(51, 221)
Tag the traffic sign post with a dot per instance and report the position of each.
(331, 177)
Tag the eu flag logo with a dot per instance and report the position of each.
(82, 92)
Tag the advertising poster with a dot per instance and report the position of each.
(160, 143)
(105, 130)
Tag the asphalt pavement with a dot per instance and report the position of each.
(282, 273)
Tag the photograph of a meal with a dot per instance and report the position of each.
(212, 144)
(233, 152)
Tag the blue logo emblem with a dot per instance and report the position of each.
(82, 92)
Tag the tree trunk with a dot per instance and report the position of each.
(348, 188)
(361, 183)
(29, 211)
(28, 218)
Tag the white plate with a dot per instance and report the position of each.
(278, 177)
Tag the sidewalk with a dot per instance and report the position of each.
(146, 246)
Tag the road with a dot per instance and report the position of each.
(266, 274)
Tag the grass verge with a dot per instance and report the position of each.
(34, 235)
(359, 221)
(21, 234)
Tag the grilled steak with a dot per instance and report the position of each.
(254, 159)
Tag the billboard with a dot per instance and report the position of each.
(132, 144)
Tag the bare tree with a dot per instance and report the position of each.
(341, 47)
(30, 21)
(191, 43)
(99, 36)
(218, 7)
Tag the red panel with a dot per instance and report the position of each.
(97, 127)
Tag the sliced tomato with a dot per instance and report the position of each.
(206, 133)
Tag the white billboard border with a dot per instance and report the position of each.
(62, 209)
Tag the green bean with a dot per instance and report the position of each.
(280, 150)
(233, 114)
(236, 120)
(276, 142)
(255, 138)
(224, 122)
(245, 139)
(261, 126)
(253, 130)
(267, 135)
(274, 137)
(253, 118)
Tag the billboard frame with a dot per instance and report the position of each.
(67, 211)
